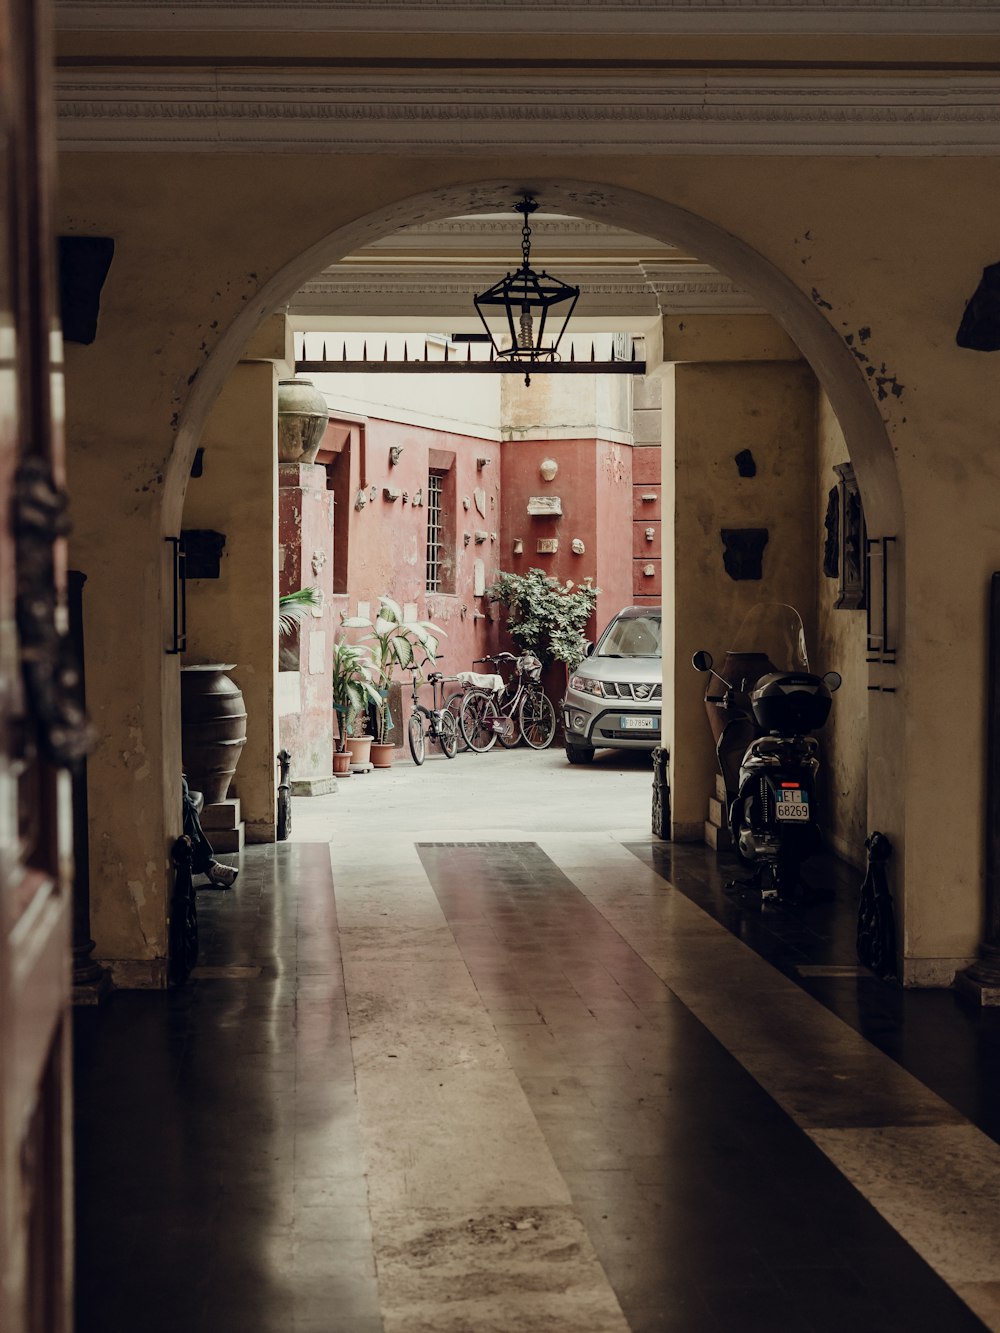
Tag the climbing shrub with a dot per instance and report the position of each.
(544, 616)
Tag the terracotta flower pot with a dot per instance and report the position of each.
(382, 752)
(359, 748)
(341, 763)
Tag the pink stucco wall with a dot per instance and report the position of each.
(386, 551)
(594, 486)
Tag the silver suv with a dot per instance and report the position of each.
(614, 695)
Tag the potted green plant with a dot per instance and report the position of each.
(352, 689)
(394, 642)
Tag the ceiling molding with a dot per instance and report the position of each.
(794, 18)
(260, 112)
(614, 291)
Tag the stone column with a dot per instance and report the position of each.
(981, 981)
(727, 385)
(305, 534)
(91, 982)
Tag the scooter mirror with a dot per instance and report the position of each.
(833, 680)
(702, 661)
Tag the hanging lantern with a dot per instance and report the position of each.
(516, 311)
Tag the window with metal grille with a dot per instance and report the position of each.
(435, 486)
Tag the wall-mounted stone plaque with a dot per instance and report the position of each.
(547, 545)
(479, 495)
(577, 546)
(545, 506)
(518, 546)
(481, 536)
(478, 578)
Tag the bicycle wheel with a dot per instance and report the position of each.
(479, 713)
(453, 704)
(510, 735)
(538, 719)
(415, 733)
(448, 734)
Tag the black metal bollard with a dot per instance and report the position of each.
(661, 793)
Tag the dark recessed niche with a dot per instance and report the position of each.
(202, 552)
(743, 552)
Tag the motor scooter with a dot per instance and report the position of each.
(761, 722)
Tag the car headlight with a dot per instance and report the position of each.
(586, 686)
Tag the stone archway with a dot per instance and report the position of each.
(831, 359)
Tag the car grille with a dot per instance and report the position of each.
(639, 693)
(613, 734)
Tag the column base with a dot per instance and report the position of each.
(94, 990)
(980, 983)
(314, 786)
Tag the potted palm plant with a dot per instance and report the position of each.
(353, 690)
(394, 642)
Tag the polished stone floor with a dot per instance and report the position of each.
(473, 1052)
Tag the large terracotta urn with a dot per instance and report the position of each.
(213, 728)
(302, 421)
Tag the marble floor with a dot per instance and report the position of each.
(473, 1052)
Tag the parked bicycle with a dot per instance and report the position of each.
(435, 724)
(520, 709)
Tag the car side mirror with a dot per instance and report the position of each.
(833, 681)
(588, 648)
(702, 661)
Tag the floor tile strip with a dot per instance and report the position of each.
(855, 1102)
(473, 1225)
(710, 1209)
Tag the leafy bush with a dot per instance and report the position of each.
(544, 616)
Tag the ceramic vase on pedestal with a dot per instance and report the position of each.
(302, 421)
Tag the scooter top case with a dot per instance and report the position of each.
(791, 702)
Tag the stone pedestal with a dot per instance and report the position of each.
(305, 534)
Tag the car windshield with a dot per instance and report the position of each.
(632, 636)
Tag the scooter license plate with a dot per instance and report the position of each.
(792, 806)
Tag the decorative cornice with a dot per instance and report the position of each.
(625, 290)
(764, 17)
(213, 111)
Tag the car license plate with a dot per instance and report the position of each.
(637, 723)
(792, 806)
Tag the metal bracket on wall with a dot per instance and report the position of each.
(179, 608)
(880, 646)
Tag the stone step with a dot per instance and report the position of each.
(720, 788)
(221, 815)
(718, 838)
(314, 786)
(717, 812)
(228, 839)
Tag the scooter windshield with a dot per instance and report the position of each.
(773, 630)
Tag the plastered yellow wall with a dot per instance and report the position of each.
(233, 618)
(720, 410)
